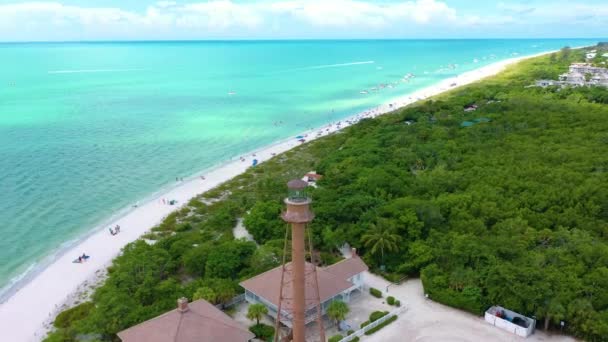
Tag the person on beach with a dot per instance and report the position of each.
(111, 231)
(117, 229)
(80, 259)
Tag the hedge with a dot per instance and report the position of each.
(376, 315)
(381, 325)
(375, 292)
(335, 338)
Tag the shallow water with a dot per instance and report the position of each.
(88, 128)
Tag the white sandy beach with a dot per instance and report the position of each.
(23, 315)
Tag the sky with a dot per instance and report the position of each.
(78, 20)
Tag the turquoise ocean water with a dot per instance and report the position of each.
(86, 129)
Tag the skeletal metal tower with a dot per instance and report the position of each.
(299, 299)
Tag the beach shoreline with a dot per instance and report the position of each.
(34, 302)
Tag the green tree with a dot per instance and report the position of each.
(195, 260)
(256, 312)
(205, 293)
(337, 310)
(264, 222)
(381, 238)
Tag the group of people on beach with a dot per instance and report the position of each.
(82, 258)
(115, 231)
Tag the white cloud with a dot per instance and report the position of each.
(267, 18)
(164, 4)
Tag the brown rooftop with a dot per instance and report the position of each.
(332, 281)
(313, 175)
(347, 268)
(198, 321)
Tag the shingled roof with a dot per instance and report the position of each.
(347, 268)
(332, 280)
(198, 321)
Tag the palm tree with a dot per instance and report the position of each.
(381, 237)
(256, 311)
(337, 310)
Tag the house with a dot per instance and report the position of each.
(581, 74)
(336, 282)
(546, 83)
(312, 177)
(470, 108)
(198, 321)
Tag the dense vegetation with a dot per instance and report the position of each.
(512, 210)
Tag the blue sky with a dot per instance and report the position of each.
(317, 19)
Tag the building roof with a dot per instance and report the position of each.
(332, 280)
(347, 268)
(312, 175)
(200, 322)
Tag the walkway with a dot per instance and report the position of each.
(427, 321)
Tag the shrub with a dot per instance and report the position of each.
(380, 326)
(350, 332)
(397, 303)
(375, 292)
(69, 316)
(390, 300)
(376, 315)
(335, 338)
(262, 331)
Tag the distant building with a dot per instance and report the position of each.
(579, 74)
(546, 83)
(198, 321)
(312, 177)
(470, 108)
(336, 282)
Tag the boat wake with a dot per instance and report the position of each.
(82, 71)
(327, 66)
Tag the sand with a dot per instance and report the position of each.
(24, 314)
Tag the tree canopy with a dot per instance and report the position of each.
(510, 210)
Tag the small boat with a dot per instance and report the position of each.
(232, 93)
(363, 92)
(299, 137)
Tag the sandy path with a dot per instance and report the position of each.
(428, 321)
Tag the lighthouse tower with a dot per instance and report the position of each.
(299, 285)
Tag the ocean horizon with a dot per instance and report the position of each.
(87, 129)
